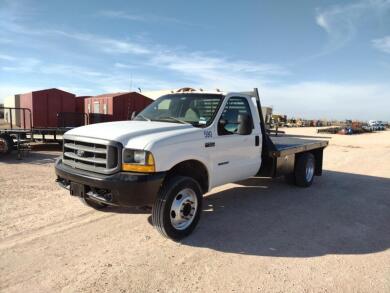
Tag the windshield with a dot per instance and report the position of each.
(195, 109)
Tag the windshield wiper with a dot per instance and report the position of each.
(143, 117)
(175, 119)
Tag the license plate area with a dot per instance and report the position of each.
(77, 189)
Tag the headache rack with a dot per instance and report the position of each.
(89, 154)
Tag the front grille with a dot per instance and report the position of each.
(91, 155)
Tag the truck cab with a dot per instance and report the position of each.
(174, 151)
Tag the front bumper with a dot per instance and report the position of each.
(122, 188)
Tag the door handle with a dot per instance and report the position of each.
(257, 140)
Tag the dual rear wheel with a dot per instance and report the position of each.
(304, 171)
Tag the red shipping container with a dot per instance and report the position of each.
(80, 103)
(45, 105)
(119, 105)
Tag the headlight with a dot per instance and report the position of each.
(137, 161)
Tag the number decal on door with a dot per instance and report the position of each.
(208, 133)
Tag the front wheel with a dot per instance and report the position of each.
(177, 209)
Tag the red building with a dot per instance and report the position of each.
(80, 101)
(45, 105)
(115, 106)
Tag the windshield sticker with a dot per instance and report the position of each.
(208, 133)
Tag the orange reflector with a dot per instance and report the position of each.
(138, 168)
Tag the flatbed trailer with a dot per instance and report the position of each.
(19, 137)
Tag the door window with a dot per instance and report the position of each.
(230, 115)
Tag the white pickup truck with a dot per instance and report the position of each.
(177, 149)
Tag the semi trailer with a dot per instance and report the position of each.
(178, 149)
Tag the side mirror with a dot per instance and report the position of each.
(244, 124)
(221, 126)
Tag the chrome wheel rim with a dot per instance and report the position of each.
(183, 209)
(309, 170)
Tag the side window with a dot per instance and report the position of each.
(96, 107)
(164, 105)
(229, 122)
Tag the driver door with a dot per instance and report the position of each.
(235, 157)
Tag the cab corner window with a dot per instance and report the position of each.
(236, 118)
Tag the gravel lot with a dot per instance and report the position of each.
(258, 235)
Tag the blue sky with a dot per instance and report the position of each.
(314, 59)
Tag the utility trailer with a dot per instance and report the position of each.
(21, 135)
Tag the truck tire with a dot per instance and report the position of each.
(304, 170)
(7, 144)
(177, 208)
(93, 204)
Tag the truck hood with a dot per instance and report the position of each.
(134, 134)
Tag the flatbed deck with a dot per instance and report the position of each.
(287, 145)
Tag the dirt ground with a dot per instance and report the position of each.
(258, 235)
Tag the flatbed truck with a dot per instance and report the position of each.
(178, 149)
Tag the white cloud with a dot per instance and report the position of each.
(122, 15)
(330, 100)
(8, 90)
(322, 22)
(6, 57)
(342, 22)
(5, 41)
(70, 70)
(147, 18)
(200, 68)
(109, 45)
(79, 91)
(382, 44)
(124, 66)
(204, 70)
(18, 64)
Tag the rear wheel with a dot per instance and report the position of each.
(6, 144)
(177, 209)
(304, 170)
